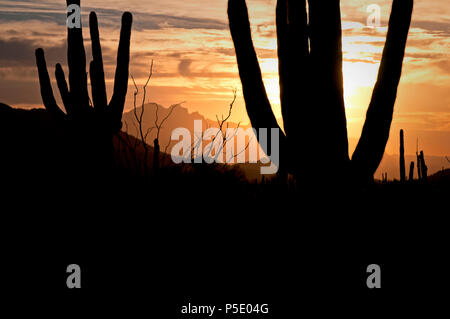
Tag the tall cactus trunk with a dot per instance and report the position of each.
(402, 157)
(411, 171)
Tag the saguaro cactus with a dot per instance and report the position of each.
(311, 86)
(402, 157)
(419, 170)
(100, 121)
(411, 171)
(423, 167)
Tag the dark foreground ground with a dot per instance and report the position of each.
(148, 246)
(298, 257)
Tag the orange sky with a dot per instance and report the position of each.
(195, 62)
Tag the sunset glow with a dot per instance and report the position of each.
(195, 60)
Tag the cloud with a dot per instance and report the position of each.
(20, 52)
(148, 21)
(184, 67)
(110, 17)
(444, 65)
(360, 60)
(442, 28)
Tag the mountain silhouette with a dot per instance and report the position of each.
(180, 118)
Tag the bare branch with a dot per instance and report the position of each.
(156, 115)
(242, 151)
(160, 125)
(149, 131)
(140, 117)
(221, 124)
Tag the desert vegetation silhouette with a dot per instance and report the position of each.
(91, 123)
(311, 89)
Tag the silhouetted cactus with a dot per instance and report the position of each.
(419, 170)
(402, 157)
(97, 123)
(423, 167)
(411, 171)
(311, 87)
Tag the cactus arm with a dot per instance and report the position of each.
(63, 89)
(371, 146)
(257, 104)
(283, 41)
(97, 73)
(122, 71)
(326, 61)
(46, 87)
(76, 57)
(291, 20)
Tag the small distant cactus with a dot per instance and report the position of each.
(419, 170)
(384, 177)
(423, 167)
(411, 171)
(402, 157)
